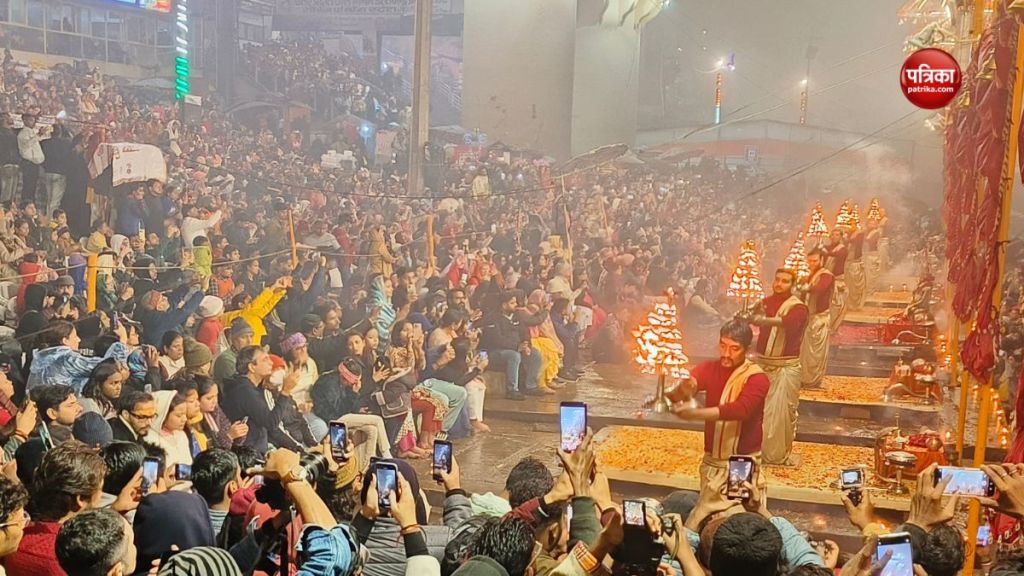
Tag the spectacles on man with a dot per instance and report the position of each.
(143, 417)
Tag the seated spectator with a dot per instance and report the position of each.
(92, 430)
(69, 480)
(220, 431)
(336, 398)
(507, 343)
(240, 335)
(170, 519)
(216, 476)
(57, 361)
(58, 408)
(168, 430)
(465, 370)
(159, 315)
(136, 412)
(94, 542)
(103, 388)
(244, 397)
(13, 499)
(198, 359)
(172, 357)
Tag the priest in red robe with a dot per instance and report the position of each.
(836, 254)
(818, 297)
(733, 415)
(782, 318)
(856, 279)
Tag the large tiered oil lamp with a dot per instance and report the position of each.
(746, 276)
(817, 230)
(796, 260)
(659, 351)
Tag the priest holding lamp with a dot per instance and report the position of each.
(733, 416)
(782, 318)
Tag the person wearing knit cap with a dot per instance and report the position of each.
(210, 330)
(170, 519)
(295, 350)
(92, 430)
(198, 358)
(239, 334)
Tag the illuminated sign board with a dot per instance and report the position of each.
(155, 5)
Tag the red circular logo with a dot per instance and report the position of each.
(930, 78)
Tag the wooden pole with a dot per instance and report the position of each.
(431, 260)
(291, 239)
(987, 388)
(92, 263)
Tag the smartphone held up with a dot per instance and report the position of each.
(441, 462)
(741, 470)
(572, 421)
(387, 482)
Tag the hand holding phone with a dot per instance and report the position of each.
(387, 482)
(183, 472)
(573, 425)
(150, 474)
(971, 482)
(634, 514)
(339, 441)
(442, 460)
(741, 470)
(901, 554)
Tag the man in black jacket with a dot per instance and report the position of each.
(135, 414)
(245, 397)
(507, 342)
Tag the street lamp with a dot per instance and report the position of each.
(721, 66)
(803, 101)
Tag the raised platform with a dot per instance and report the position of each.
(671, 458)
(615, 393)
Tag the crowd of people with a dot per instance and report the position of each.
(210, 346)
(304, 71)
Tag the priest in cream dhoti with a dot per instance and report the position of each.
(856, 279)
(817, 294)
(733, 415)
(782, 318)
(872, 262)
(836, 254)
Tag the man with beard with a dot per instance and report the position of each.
(818, 297)
(836, 254)
(735, 391)
(782, 318)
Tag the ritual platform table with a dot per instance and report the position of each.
(859, 391)
(886, 299)
(870, 315)
(671, 458)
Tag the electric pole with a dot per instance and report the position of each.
(420, 125)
